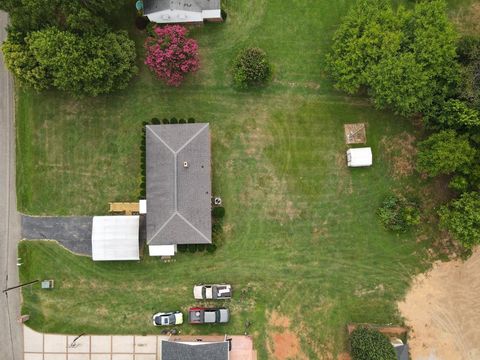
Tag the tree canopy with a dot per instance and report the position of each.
(370, 344)
(67, 45)
(444, 153)
(462, 218)
(406, 59)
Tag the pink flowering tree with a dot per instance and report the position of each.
(170, 54)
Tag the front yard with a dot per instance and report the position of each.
(301, 237)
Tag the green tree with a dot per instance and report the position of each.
(462, 218)
(406, 59)
(444, 153)
(370, 344)
(87, 64)
(24, 66)
(454, 114)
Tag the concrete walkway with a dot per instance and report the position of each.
(73, 232)
(40, 346)
(10, 330)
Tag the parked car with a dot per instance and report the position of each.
(168, 318)
(200, 315)
(214, 291)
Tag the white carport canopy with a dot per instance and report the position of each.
(115, 238)
(359, 157)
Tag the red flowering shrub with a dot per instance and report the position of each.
(170, 54)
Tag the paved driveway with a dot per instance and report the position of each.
(73, 232)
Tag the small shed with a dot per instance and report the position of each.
(115, 238)
(359, 157)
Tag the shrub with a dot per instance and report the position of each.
(251, 68)
(191, 120)
(370, 344)
(182, 121)
(173, 120)
(398, 213)
(462, 219)
(444, 153)
(170, 54)
(155, 121)
(218, 212)
(165, 121)
(458, 183)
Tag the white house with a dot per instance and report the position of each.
(359, 157)
(182, 11)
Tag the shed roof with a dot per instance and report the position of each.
(115, 238)
(153, 6)
(402, 352)
(178, 184)
(358, 157)
(195, 351)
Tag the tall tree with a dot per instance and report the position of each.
(406, 59)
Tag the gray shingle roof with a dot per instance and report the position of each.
(178, 197)
(206, 351)
(152, 6)
(402, 352)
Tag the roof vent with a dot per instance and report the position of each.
(185, 164)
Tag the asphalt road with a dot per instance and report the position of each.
(11, 341)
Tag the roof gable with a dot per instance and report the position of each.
(178, 194)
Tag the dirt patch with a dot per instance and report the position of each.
(282, 343)
(467, 19)
(442, 310)
(402, 152)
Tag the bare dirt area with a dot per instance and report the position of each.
(467, 19)
(402, 152)
(283, 344)
(442, 308)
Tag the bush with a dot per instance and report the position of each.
(398, 213)
(141, 22)
(165, 121)
(444, 153)
(462, 219)
(182, 121)
(251, 68)
(218, 212)
(370, 344)
(191, 120)
(170, 54)
(173, 120)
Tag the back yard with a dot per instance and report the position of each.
(301, 239)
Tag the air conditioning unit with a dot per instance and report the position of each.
(185, 164)
(217, 201)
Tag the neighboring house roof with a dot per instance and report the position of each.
(197, 351)
(152, 6)
(182, 11)
(402, 352)
(178, 197)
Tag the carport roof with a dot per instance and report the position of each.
(115, 238)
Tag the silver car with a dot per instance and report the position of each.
(212, 292)
(167, 318)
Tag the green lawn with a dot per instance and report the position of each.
(301, 236)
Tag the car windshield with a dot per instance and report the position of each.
(171, 319)
(158, 320)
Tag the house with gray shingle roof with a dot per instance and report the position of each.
(178, 187)
(195, 351)
(182, 11)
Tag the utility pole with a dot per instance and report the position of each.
(21, 285)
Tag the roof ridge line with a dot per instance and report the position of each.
(192, 138)
(162, 227)
(193, 227)
(159, 138)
